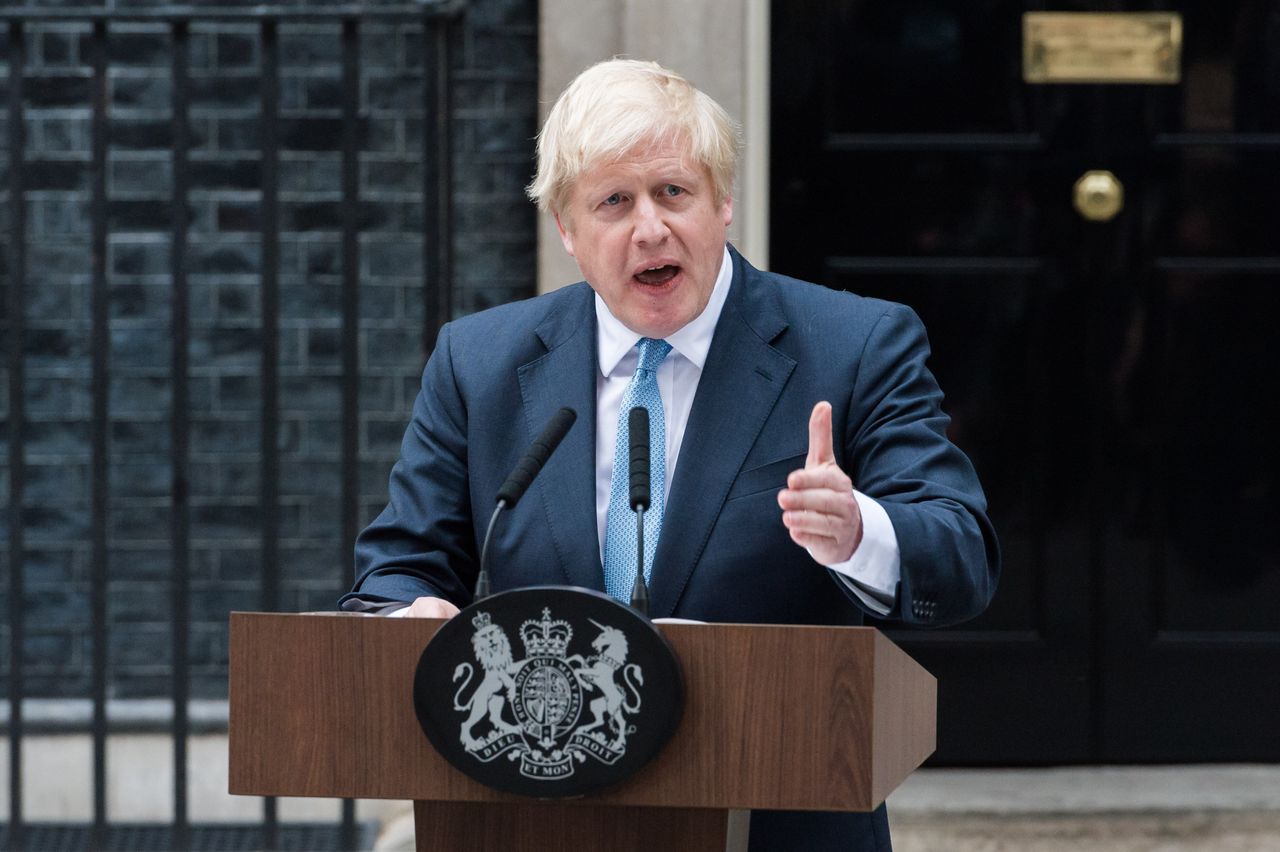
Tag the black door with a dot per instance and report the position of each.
(1115, 382)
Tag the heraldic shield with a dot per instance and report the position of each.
(595, 694)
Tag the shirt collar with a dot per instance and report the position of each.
(614, 340)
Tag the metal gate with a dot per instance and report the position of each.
(254, 214)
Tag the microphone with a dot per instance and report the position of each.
(638, 429)
(539, 451)
(519, 480)
(638, 476)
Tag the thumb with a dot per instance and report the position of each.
(820, 444)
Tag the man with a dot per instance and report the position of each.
(773, 400)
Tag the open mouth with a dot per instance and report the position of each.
(657, 275)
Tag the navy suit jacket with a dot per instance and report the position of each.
(779, 347)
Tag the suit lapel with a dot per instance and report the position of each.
(565, 376)
(740, 384)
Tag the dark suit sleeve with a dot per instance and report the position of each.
(423, 543)
(900, 455)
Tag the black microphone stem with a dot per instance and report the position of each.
(640, 592)
(513, 489)
(482, 578)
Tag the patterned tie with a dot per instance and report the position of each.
(620, 528)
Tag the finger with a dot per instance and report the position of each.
(827, 476)
(442, 609)
(428, 607)
(815, 544)
(813, 523)
(827, 501)
(821, 450)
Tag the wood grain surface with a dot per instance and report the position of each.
(779, 717)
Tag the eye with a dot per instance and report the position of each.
(613, 200)
(671, 190)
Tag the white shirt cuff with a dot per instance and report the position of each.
(402, 612)
(873, 572)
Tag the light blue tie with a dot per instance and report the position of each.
(620, 528)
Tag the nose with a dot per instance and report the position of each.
(650, 223)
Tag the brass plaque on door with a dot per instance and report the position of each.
(1101, 47)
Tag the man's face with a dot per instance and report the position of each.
(648, 235)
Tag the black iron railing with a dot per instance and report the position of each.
(435, 20)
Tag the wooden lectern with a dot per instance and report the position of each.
(776, 717)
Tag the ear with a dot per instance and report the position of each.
(565, 236)
(726, 210)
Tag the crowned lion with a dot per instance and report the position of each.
(493, 651)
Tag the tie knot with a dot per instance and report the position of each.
(651, 353)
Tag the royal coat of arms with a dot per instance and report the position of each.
(550, 710)
(591, 696)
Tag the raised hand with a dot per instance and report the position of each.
(817, 505)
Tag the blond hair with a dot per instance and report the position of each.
(618, 106)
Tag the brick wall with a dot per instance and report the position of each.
(495, 56)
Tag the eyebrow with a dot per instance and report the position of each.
(606, 187)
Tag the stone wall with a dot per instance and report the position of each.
(494, 106)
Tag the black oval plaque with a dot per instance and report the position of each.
(548, 691)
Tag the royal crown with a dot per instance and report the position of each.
(546, 638)
(480, 620)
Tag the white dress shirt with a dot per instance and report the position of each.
(872, 572)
